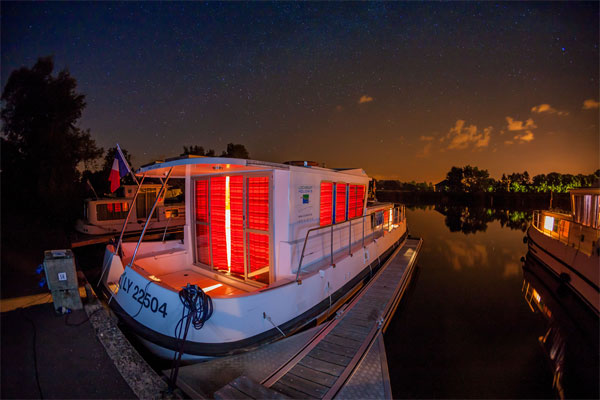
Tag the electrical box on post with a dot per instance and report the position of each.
(59, 266)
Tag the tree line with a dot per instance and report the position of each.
(470, 179)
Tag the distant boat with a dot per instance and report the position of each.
(569, 244)
(274, 248)
(106, 215)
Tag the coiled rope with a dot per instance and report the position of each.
(197, 309)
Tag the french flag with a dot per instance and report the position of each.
(120, 168)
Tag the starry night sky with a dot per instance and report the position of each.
(403, 90)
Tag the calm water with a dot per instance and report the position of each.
(465, 329)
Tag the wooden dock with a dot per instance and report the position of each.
(343, 358)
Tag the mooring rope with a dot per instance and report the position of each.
(197, 309)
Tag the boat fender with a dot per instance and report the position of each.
(525, 239)
(564, 277)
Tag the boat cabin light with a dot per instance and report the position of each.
(548, 223)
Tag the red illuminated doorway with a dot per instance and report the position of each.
(233, 225)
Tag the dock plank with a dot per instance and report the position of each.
(290, 391)
(348, 335)
(322, 378)
(342, 341)
(254, 390)
(304, 385)
(330, 357)
(228, 392)
(323, 366)
(336, 349)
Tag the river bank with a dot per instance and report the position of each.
(507, 201)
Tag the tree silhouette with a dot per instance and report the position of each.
(42, 144)
(197, 151)
(236, 151)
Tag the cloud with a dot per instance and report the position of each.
(339, 108)
(524, 137)
(426, 138)
(462, 137)
(590, 104)
(365, 99)
(547, 108)
(514, 125)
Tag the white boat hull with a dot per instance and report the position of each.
(576, 269)
(239, 323)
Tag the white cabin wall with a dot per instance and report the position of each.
(304, 216)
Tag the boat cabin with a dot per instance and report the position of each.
(249, 221)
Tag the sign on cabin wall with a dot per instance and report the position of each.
(304, 200)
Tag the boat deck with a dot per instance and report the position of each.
(344, 357)
(179, 279)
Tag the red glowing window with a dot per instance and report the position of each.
(217, 222)
(258, 250)
(258, 203)
(360, 199)
(352, 202)
(202, 201)
(326, 210)
(340, 202)
(236, 206)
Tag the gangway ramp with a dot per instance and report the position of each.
(344, 358)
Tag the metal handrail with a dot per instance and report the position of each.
(160, 194)
(331, 226)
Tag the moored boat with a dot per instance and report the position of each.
(569, 244)
(106, 215)
(273, 247)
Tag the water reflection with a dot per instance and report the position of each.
(571, 339)
(476, 219)
(464, 331)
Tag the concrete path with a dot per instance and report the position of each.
(71, 362)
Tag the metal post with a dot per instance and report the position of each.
(129, 213)
(331, 244)
(160, 192)
(363, 229)
(350, 237)
(166, 227)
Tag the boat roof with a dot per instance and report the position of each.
(588, 190)
(190, 165)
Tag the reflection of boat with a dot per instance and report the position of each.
(106, 215)
(569, 244)
(571, 339)
(276, 247)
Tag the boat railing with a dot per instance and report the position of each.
(358, 233)
(561, 227)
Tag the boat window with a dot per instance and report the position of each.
(356, 200)
(144, 203)
(109, 211)
(326, 210)
(233, 225)
(258, 229)
(340, 202)
(587, 210)
(376, 219)
(202, 226)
